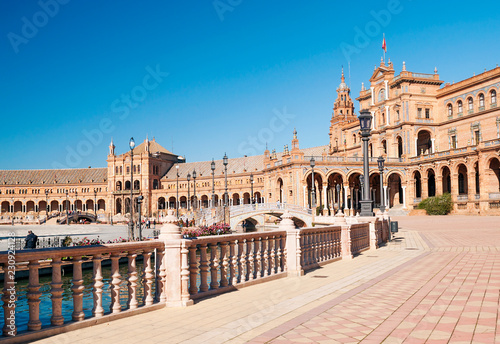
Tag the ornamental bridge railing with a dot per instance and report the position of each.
(136, 277)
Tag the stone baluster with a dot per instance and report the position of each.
(225, 263)
(132, 280)
(265, 256)
(185, 297)
(258, 257)
(293, 250)
(233, 267)
(272, 255)
(33, 296)
(56, 290)
(162, 275)
(115, 306)
(77, 289)
(250, 259)
(214, 266)
(280, 254)
(243, 260)
(193, 271)
(97, 310)
(204, 268)
(346, 242)
(304, 245)
(148, 278)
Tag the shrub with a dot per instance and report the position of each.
(319, 210)
(217, 229)
(438, 205)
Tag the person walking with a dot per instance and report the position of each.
(30, 240)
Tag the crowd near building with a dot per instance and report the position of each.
(435, 138)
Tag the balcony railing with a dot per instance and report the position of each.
(462, 197)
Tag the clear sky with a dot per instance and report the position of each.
(209, 77)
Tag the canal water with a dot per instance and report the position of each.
(22, 315)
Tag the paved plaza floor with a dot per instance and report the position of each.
(437, 282)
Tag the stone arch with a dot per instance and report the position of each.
(118, 206)
(54, 206)
(318, 188)
(42, 206)
(204, 201)
(246, 198)
(183, 202)
(127, 185)
(431, 182)
(236, 199)
(446, 179)
(335, 199)
(137, 185)
(5, 207)
(171, 203)
(89, 205)
(399, 140)
(101, 205)
(424, 141)
(279, 189)
(463, 187)
(417, 179)
(258, 197)
(354, 190)
(395, 189)
(118, 186)
(30, 206)
(493, 175)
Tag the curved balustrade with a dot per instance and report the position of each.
(95, 254)
(320, 246)
(360, 238)
(220, 263)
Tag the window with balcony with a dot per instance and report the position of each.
(460, 107)
(471, 104)
(481, 102)
(493, 94)
(454, 142)
(450, 110)
(427, 113)
(476, 137)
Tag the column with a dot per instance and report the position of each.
(386, 198)
(386, 91)
(345, 197)
(471, 184)
(439, 185)
(404, 196)
(305, 196)
(425, 187)
(416, 147)
(325, 205)
(432, 145)
(373, 95)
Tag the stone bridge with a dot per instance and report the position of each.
(256, 212)
(77, 216)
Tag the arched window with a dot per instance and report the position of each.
(450, 110)
(493, 97)
(354, 138)
(471, 104)
(381, 95)
(481, 100)
(137, 185)
(460, 107)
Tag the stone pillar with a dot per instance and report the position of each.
(345, 198)
(171, 235)
(325, 203)
(439, 185)
(433, 145)
(386, 199)
(425, 187)
(373, 95)
(293, 249)
(386, 90)
(305, 196)
(345, 238)
(373, 233)
(404, 196)
(471, 184)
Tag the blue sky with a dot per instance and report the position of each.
(209, 77)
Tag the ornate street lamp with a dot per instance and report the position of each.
(95, 203)
(380, 162)
(67, 205)
(46, 205)
(365, 123)
(212, 166)
(131, 235)
(338, 196)
(313, 191)
(189, 196)
(194, 190)
(139, 202)
(177, 191)
(251, 186)
(226, 196)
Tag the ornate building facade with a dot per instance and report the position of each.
(434, 138)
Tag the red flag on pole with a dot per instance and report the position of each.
(384, 45)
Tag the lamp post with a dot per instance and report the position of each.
(251, 186)
(46, 205)
(226, 196)
(380, 162)
(365, 122)
(338, 196)
(76, 201)
(224, 161)
(131, 222)
(313, 191)
(177, 192)
(95, 203)
(212, 166)
(139, 202)
(189, 196)
(194, 190)
(67, 205)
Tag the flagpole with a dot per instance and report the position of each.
(384, 48)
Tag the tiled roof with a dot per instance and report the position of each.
(234, 166)
(203, 168)
(153, 148)
(53, 177)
